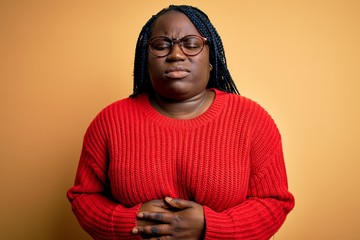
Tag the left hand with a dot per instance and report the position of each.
(185, 220)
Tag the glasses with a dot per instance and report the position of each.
(190, 45)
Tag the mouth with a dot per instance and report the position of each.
(177, 72)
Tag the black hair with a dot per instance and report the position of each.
(220, 77)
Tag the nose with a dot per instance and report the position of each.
(176, 53)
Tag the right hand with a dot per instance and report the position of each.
(176, 219)
(157, 205)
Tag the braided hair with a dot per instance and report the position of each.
(220, 77)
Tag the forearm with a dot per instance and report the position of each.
(262, 213)
(255, 218)
(97, 212)
(102, 218)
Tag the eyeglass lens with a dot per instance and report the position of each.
(190, 45)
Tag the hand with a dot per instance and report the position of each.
(181, 219)
(157, 205)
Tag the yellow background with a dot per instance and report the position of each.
(61, 62)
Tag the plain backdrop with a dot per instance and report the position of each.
(61, 62)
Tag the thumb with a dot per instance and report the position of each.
(178, 203)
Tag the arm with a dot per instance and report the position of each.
(97, 212)
(262, 213)
(268, 200)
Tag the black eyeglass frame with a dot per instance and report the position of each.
(177, 41)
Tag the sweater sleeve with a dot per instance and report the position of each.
(268, 200)
(96, 211)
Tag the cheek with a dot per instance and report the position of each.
(153, 67)
(154, 64)
(204, 60)
(203, 67)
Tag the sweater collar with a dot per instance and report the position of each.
(211, 113)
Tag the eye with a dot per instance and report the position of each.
(160, 44)
(191, 42)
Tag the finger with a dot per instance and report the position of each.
(178, 203)
(158, 238)
(163, 217)
(160, 203)
(153, 231)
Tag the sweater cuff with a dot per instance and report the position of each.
(218, 225)
(124, 220)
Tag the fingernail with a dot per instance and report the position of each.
(168, 199)
(135, 231)
(140, 215)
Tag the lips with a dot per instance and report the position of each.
(177, 72)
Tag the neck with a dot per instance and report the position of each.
(183, 109)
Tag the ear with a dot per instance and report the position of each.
(211, 66)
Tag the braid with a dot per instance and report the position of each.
(141, 77)
(220, 77)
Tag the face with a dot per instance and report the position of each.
(178, 76)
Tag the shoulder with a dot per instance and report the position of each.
(244, 105)
(112, 114)
(256, 116)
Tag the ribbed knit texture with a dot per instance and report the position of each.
(228, 159)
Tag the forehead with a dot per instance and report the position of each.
(173, 24)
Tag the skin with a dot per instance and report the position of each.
(183, 95)
(170, 218)
(179, 93)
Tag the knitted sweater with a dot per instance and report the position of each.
(229, 159)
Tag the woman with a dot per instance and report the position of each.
(184, 157)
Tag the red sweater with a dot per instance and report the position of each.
(228, 159)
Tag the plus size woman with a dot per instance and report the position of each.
(185, 156)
